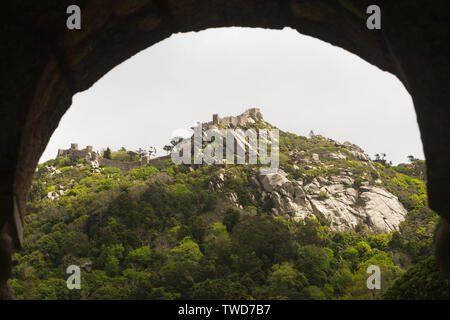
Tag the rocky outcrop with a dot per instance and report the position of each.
(346, 199)
(333, 198)
(336, 156)
(383, 209)
(274, 181)
(50, 170)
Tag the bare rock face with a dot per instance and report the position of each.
(233, 198)
(344, 206)
(360, 155)
(87, 265)
(336, 156)
(341, 215)
(271, 181)
(290, 208)
(383, 209)
(52, 195)
(345, 180)
(315, 158)
(50, 170)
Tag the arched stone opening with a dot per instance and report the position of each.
(46, 64)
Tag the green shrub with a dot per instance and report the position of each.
(323, 195)
(143, 173)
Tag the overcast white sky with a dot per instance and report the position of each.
(300, 84)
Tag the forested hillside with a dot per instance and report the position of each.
(168, 231)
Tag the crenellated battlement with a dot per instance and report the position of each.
(248, 116)
(74, 153)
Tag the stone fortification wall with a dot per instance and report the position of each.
(96, 160)
(247, 116)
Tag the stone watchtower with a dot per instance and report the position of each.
(215, 118)
(255, 113)
(74, 146)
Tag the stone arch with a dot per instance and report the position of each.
(45, 64)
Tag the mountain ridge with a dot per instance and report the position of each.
(335, 196)
(196, 231)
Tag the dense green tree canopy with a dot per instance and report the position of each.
(161, 232)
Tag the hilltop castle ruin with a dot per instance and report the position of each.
(248, 116)
(95, 160)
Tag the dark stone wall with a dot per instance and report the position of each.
(43, 65)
